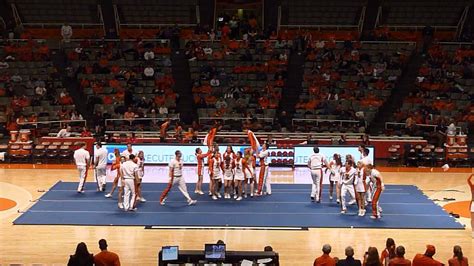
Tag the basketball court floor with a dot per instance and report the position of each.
(51, 241)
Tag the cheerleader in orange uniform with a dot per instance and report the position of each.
(117, 180)
(200, 170)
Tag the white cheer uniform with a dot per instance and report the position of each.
(347, 188)
(141, 168)
(100, 159)
(129, 171)
(263, 178)
(176, 168)
(359, 181)
(239, 171)
(81, 158)
(228, 172)
(369, 184)
(315, 163)
(335, 175)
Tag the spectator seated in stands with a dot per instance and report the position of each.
(81, 257)
(325, 259)
(399, 259)
(427, 258)
(458, 258)
(349, 260)
(105, 257)
(64, 133)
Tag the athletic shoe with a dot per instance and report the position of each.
(162, 202)
(142, 199)
(219, 195)
(330, 198)
(200, 192)
(374, 217)
(108, 195)
(103, 187)
(80, 191)
(343, 211)
(210, 193)
(133, 210)
(191, 202)
(251, 195)
(239, 198)
(360, 213)
(196, 191)
(312, 199)
(363, 212)
(214, 197)
(352, 202)
(235, 197)
(245, 195)
(338, 201)
(120, 205)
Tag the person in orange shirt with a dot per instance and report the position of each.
(325, 259)
(471, 185)
(105, 257)
(200, 170)
(85, 133)
(399, 260)
(118, 179)
(427, 258)
(164, 129)
(458, 259)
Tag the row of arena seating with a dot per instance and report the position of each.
(431, 156)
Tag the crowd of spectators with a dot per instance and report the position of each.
(445, 90)
(391, 255)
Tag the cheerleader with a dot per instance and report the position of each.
(140, 161)
(229, 152)
(117, 180)
(376, 178)
(360, 188)
(348, 176)
(250, 164)
(200, 169)
(215, 166)
(228, 173)
(239, 174)
(335, 178)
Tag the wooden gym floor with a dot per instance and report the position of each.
(51, 245)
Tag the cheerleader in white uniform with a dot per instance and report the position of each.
(249, 162)
(348, 176)
(141, 172)
(215, 166)
(228, 172)
(239, 173)
(360, 188)
(334, 177)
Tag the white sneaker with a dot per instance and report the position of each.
(238, 198)
(219, 195)
(210, 193)
(142, 199)
(360, 213)
(330, 197)
(200, 192)
(352, 202)
(196, 191)
(191, 202)
(235, 196)
(226, 196)
(343, 211)
(133, 210)
(214, 197)
(245, 195)
(363, 212)
(163, 201)
(120, 205)
(108, 195)
(338, 201)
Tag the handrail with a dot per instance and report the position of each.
(417, 27)
(101, 17)
(379, 15)
(61, 122)
(279, 19)
(435, 127)
(340, 121)
(16, 15)
(362, 19)
(462, 20)
(121, 40)
(321, 26)
(43, 24)
(147, 25)
(172, 117)
(117, 20)
(236, 118)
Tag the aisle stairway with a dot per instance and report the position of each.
(404, 86)
(183, 87)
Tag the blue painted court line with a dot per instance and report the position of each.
(288, 206)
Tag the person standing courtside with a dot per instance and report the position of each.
(263, 178)
(176, 177)
(129, 170)
(316, 163)
(100, 164)
(82, 160)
